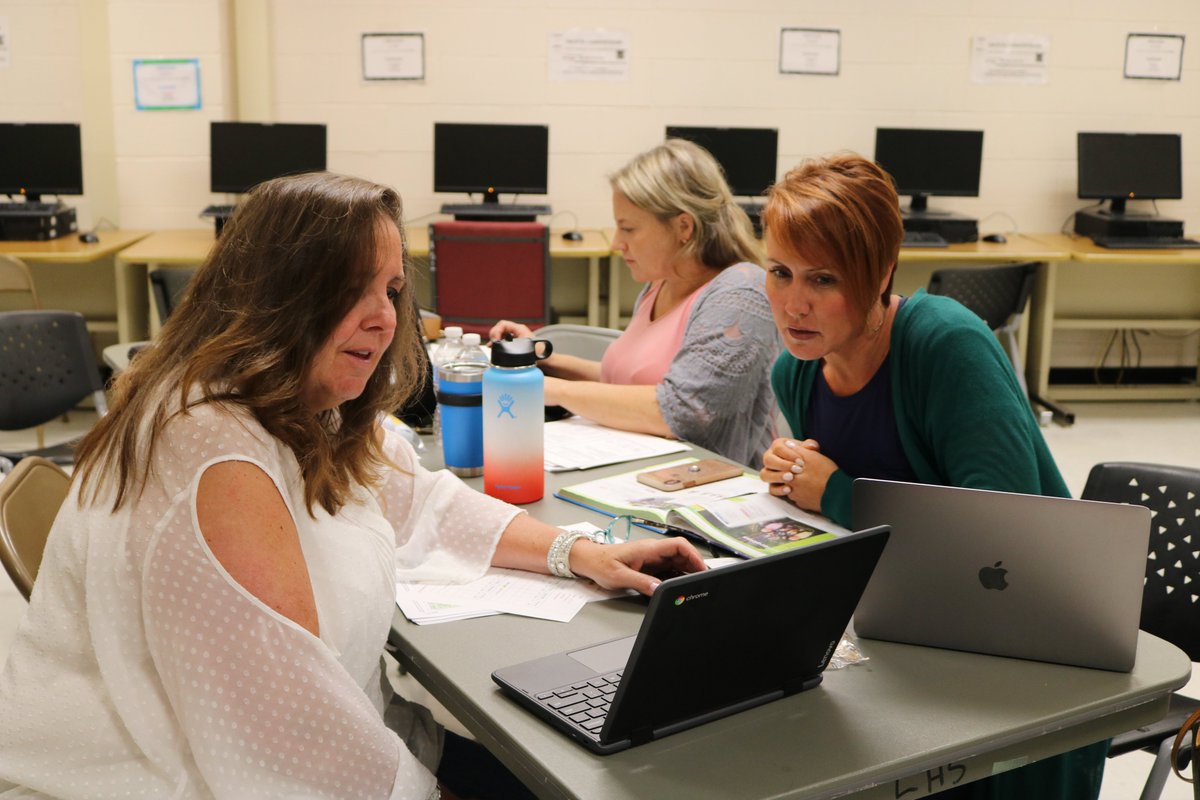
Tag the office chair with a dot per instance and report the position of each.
(1171, 596)
(46, 367)
(29, 501)
(997, 295)
(168, 286)
(585, 341)
(486, 271)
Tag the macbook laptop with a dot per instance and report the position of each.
(1042, 578)
(711, 644)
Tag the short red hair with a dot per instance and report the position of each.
(843, 213)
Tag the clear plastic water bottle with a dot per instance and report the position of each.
(513, 414)
(445, 350)
(471, 350)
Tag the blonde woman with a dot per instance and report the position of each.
(694, 362)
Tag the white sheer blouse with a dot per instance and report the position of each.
(141, 669)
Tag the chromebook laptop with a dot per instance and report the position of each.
(711, 644)
(1042, 578)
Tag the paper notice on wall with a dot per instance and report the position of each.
(589, 55)
(5, 47)
(1010, 58)
(811, 51)
(161, 84)
(1154, 56)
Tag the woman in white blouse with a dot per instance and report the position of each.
(216, 591)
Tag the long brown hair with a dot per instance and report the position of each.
(842, 212)
(289, 265)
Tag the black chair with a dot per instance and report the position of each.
(997, 295)
(46, 367)
(168, 286)
(1171, 597)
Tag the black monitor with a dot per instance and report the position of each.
(244, 154)
(490, 158)
(748, 156)
(38, 158)
(925, 161)
(1130, 166)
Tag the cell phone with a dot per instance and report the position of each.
(685, 476)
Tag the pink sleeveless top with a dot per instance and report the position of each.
(643, 353)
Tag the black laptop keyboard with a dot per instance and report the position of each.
(585, 703)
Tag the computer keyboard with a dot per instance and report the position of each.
(220, 211)
(585, 703)
(923, 239)
(1145, 242)
(30, 209)
(494, 211)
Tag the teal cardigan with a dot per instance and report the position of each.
(963, 421)
(962, 416)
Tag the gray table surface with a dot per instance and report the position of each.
(907, 722)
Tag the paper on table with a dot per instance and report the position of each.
(501, 591)
(578, 443)
(511, 591)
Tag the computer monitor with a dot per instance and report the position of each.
(1129, 166)
(490, 158)
(244, 154)
(925, 161)
(749, 156)
(38, 158)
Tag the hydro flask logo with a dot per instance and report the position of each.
(506, 403)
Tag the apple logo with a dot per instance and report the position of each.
(993, 577)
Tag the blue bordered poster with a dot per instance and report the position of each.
(161, 84)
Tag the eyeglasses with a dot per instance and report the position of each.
(617, 530)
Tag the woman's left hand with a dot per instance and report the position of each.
(639, 564)
(797, 471)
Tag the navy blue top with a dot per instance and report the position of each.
(859, 432)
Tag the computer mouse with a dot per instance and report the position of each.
(87, 237)
(573, 236)
(996, 238)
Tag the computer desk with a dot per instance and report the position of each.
(909, 721)
(61, 266)
(1095, 288)
(136, 321)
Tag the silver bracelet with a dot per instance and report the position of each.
(558, 558)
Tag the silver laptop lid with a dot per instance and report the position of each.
(1043, 578)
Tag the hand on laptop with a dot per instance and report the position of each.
(639, 564)
(797, 471)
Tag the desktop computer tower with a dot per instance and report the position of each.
(953, 228)
(38, 227)
(1104, 223)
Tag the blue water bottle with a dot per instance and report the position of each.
(460, 395)
(513, 413)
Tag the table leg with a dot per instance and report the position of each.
(593, 301)
(133, 301)
(615, 265)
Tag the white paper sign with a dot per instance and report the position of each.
(5, 46)
(1154, 56)
(1010, 58)
(810, 51)
(589, 55)
(393, 56)
(166, 83)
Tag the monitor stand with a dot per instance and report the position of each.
(753, 210)
(954, 228)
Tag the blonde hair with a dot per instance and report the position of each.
(843, 212)
(680, 177)
(289, 265)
